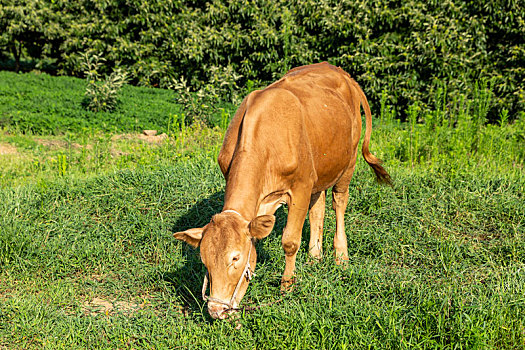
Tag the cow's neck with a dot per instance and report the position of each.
(244, 188)
(242, 196)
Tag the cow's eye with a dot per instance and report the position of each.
(234, 258)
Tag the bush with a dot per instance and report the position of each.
(102, 95)
(409, 49)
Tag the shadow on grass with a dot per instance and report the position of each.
(188, 277)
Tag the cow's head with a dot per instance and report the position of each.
(227, 249)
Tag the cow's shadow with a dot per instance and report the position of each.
(187, 277)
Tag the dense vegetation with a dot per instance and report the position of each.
(87, 257)
(41, 104)
(407, 48)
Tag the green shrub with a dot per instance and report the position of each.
(101, 95)
(207, 105)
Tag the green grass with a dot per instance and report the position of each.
(43, 104)
(35, 158)
(433, 262)
(87, 257)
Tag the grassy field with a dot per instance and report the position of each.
(42, 104)
(87, 257)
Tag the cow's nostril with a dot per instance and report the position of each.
(217, 311)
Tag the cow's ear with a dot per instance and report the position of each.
(261, 226)
(192, 236)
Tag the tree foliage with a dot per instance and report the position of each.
(407, 48)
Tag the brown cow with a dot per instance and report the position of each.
(286, 144)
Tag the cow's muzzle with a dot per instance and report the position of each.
(219, 308)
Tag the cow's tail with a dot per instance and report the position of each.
(374, 162)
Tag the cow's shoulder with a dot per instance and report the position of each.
(233, 132)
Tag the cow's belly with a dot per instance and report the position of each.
(333, 137)
(329, 168)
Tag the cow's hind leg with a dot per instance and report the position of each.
(316, 215)
(339, 203)
(297, 209)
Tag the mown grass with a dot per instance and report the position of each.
(436, 261)
(45, 105)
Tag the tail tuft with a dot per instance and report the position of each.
(382, 176)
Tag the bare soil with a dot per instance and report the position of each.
(147, 138)
(6, 148)
(102, 306)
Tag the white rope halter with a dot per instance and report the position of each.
(233, 211)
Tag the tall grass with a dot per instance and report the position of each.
(454, 136)
(434, 262)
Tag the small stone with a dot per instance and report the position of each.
(149, 132)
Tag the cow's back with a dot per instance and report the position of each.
(302, 125)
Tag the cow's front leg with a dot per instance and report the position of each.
(297, 209)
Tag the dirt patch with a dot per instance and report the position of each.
(150, 132)
(6, 148)
(55, 144)
(99, 306)
(149, 136)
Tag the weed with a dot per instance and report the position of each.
(206, 106)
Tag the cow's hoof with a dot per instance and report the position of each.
(314, 259)
(287, 285)
(343, 262)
